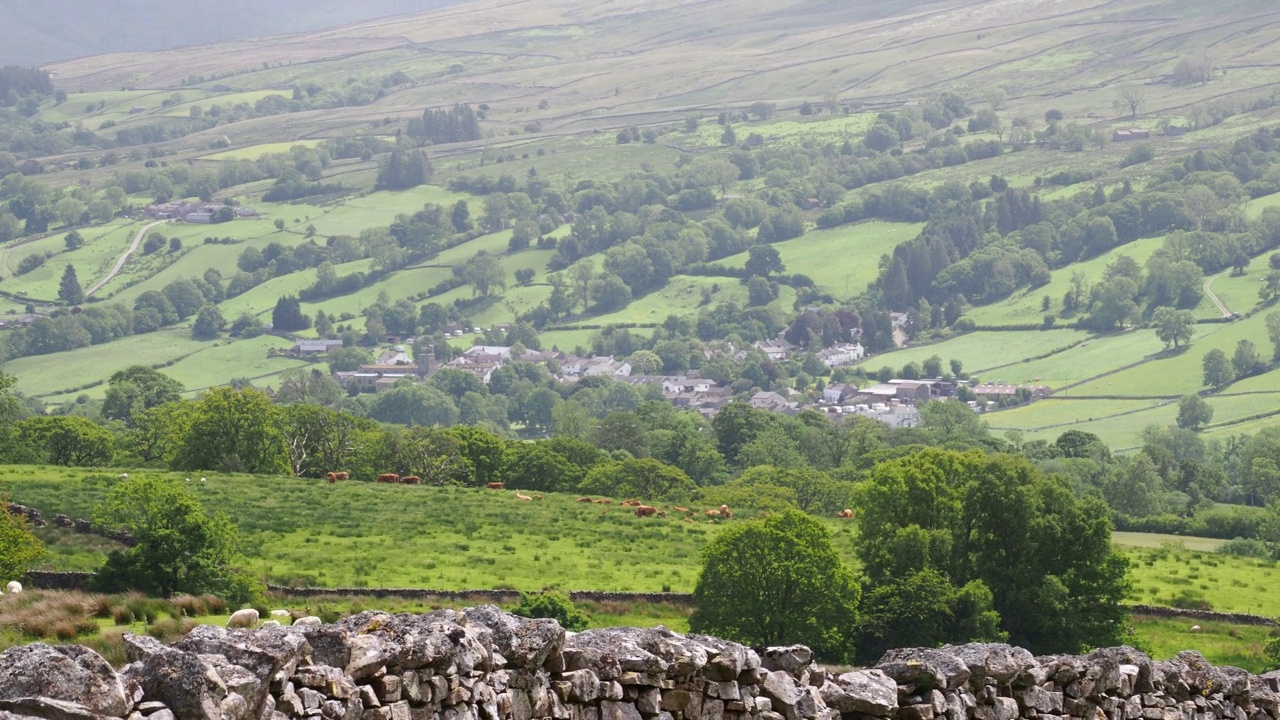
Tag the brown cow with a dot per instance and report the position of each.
(537, 497)
(846, 514)
(646, 511)
(712, 513)
(604, 502)
(523, 497)
(584, 499)
(342, 476)
(631, 503)
(662, 513)
(688, 519)
(677, 508)
(725, 512)
(388, 478)
(411, 480)
(331, 477)
(495, 486)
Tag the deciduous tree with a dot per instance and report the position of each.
(19, 547)
(179, 547)
(1173, 326)
(1194, 412)
(1217, 369)
(778, 581)
(233, 431)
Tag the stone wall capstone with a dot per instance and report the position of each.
(484, 664)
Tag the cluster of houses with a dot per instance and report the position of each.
(894, 402)
(194, 212)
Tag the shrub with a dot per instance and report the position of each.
(554, 605)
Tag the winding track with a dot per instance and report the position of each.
(1214, 298)
(137, 240)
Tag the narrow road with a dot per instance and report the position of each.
(1209, 291)
(137, 240)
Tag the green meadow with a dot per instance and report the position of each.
(841, 260)
(1026, 306)
(361, 534)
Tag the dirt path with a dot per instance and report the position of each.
(1214, 298)
(137, 240)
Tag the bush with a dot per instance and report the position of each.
(1247, 547)
(554, 605)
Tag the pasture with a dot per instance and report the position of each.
(89, 366)
(1026, 306)
(360, 534)
(368, 535)
(997, 355)
(841, 260)
(1172, 575)
(1241, 646)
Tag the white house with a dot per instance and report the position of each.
(842, 354)
(605, 367)
(836, 392)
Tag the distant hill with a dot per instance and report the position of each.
(35, 32)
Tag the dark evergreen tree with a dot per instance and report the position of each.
(457, 124)
(69, 290)
(404, 169)
(288, 315)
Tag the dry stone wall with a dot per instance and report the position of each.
(484, 664)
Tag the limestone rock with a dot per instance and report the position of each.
(791, 659)
(997, 661)
(189, 686)
(524, 642)
(869, 692)
(787, 696)
(64, 673)
(925, 668)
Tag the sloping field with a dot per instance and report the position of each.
(37, 375)
(843, 260)
(994, 354)
(1026, 306)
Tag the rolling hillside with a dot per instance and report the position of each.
(43, 31)
(557, 79)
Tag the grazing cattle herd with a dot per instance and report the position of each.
(641, 510)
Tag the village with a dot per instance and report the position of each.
(894, 402)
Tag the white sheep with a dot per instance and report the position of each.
(124, 476)
(271, 623)
(15, 587)
(308, 620)
(1195, 628)
(243, 618)
(279, 613)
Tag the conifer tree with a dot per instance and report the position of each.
(69, 290)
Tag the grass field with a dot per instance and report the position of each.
(1026, 306)
(841, 260)
(1172, 575)
(995, 354)
(682, 296)
(103, 245)
(74, 369)
(1240, 646)
(302, 531)
(1156, 540)
(452, 538)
